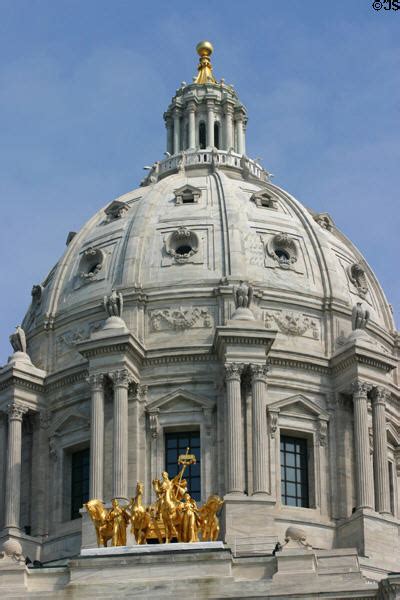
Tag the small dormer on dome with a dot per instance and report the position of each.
(206, 114)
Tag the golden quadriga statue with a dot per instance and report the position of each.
(174, 516)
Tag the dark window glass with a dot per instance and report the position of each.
(176, 444)
(216, 135)
(294, 476)
(202, 135)
(79, 481)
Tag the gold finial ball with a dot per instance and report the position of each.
(204, 48)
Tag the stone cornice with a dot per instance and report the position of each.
(25, 384)
(58, 381)
(169, 357)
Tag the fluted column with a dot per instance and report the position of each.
(259, 429)
(210, 124)
(177, 132)
(239, 133)
(96, 435)
(361, 442)
(170, 142)
(192, 124)
(16, 412)
(121, 382)
(228, 127)
(234, 446)
(381, 472)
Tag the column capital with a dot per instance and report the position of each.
(191, 106)
(16, 411)
(360, 388)
(120, 378)
(380, 395)
(95, 380)
(233, 371)
(259, 372)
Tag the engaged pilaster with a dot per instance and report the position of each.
(259, 429)
(381, 473)
(361, 442)
(16, 412)
(96, 382)
(235, 446)
(121, 382)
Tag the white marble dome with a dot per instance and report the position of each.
(209, 308)
(237, 227)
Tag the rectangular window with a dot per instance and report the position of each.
(294, 475)
(175, 444)
(79, 481)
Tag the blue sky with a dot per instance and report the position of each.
(83, 85)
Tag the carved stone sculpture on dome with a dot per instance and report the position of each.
(18, 343)
(113, 305)
(359, 317)
(243, 296)
(18, 340)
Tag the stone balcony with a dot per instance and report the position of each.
(212, 158)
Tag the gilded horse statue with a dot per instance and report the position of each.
(209, 521)
(140, 517)
(104, 528)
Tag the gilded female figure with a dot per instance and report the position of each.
(190, 520)
(119, 519)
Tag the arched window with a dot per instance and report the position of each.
(216, 135)
(202, 135)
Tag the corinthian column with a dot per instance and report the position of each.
(192, 125)
(228, 127)
(234, 445)
(210, 124)
(381, 472)
(361, 442)
(177, 132)
(120, 433)
(16, 412)
(259, 429)
(96, 435)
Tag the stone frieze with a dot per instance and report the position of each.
(179, 318)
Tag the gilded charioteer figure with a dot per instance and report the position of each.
(174, 516)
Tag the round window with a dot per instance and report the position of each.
(283, 255)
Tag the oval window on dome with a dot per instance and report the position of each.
(282, 255)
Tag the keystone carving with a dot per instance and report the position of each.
(356, 274)
(179, 318)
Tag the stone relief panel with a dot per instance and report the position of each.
(254, 248)
(179, 318)
(68, 340)
(293, 324)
